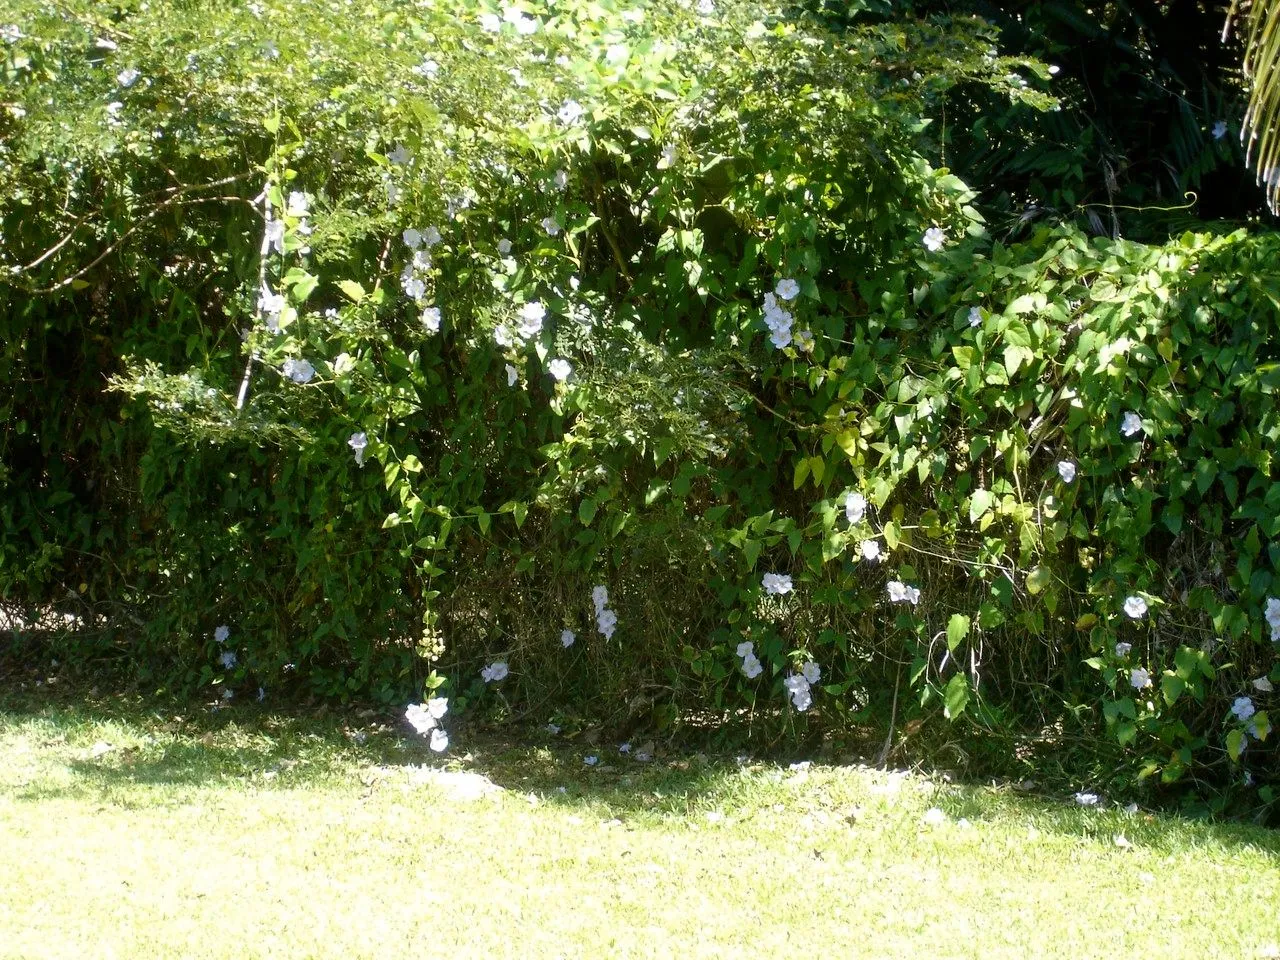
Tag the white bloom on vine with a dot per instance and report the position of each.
(855, 506)
(1219, 129)
(811, 672)
(420, 718)
(400, 156)
(431, 236)
(10, 33)
(804, 340)
(1242, 709)
(1139, 678)
(1087, 799)
(1131, 424)
(561, 179)
(1066, 470)
(606, 623)
(222, 634)
(667, 159)
(706, 8)
(427, 69)
(394, 193)
(567, 638)
(414, 287)
(1272, 613)
(746, 648)
(439, 740)
(128, 77)
(870, 550)
(570, 112)
(228, 659)
(342, 363)
(787, 289)
(751, 666)
(599, 597)
(438, 706)
(504, 246)
(275, 235)
(431, 319)
(412, 238)
(801, 695)
(560, 369)
(490, 22)
(591, 760)
(358, 442)
(975, 317)
(1122, 650)
(1135, 607)
(934, 239)
(113, 111)
(780, 338)
(776, 584)
(550, 225)
(298, 204)
(494, 672)
(899, 592)
(502, 337)
(271, 304)
(512, 375)
(299, 371)
(933, 817)
(531, 317)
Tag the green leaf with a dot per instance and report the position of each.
(979, 503)
(1173, 686)
(957, 630)
(956, 696)
(1235, 744)
(587, 511)
(801, 474)
(1038, 579)
(352, 289)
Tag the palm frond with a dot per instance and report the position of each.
(1260, 131)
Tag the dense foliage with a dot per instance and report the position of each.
(638, 362)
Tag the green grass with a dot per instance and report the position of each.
(242, 834)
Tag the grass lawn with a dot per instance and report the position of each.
(130, 833)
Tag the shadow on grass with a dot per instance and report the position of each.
(109, 748)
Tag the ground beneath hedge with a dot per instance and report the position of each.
(135, 834)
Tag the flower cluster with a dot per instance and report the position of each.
(494, 672)
(413, 278)
(777, 318)
(425, 719)
(776, 584)
(751, 665)
(530, 318)
(799, 685)
(606, 619)
(899, 592)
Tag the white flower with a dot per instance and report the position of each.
(222, 633)
(1272, 612)
(10, 33)
(855, 506)
(804, 340)
(780, 338)
(1242, 709)
(599, 597)
(1219, 129)
(1131, 424)
(899, 592)
(127, 78)
(776, 584)
(550, 225)
(787, 289)
(490, 22)
(439, 740)
(624, 748)
(512, 375)
(870, 550)
(525, 26)
(561, 179)
(228, 659)
(706, 8)
(668, 158)
(1066, 470)
(798, 687)
(751, 666)
(420, 718)
(1087, 799)
(567, 637)
(275, 235)
(357, 442)
(503, 337)
(1135, 607)
(494, 672)
(400, 156)
(298, 204)
(571, 112)
(934, 238)
(1122, 650)
(427, 69)
(1263, 685)
(414, 287)
(412, 238)
(431, 319)
(504, 246)
(933, 817)
(560, 369)
(553, 729)
(113, 111)
(811, 671)
(1139, 678)
(591, 760)
(531, 317)
(607, 622)
(746, 648)
(299, 371)
(431, 236)
(975, 317)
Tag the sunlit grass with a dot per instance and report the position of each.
(139, 834)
